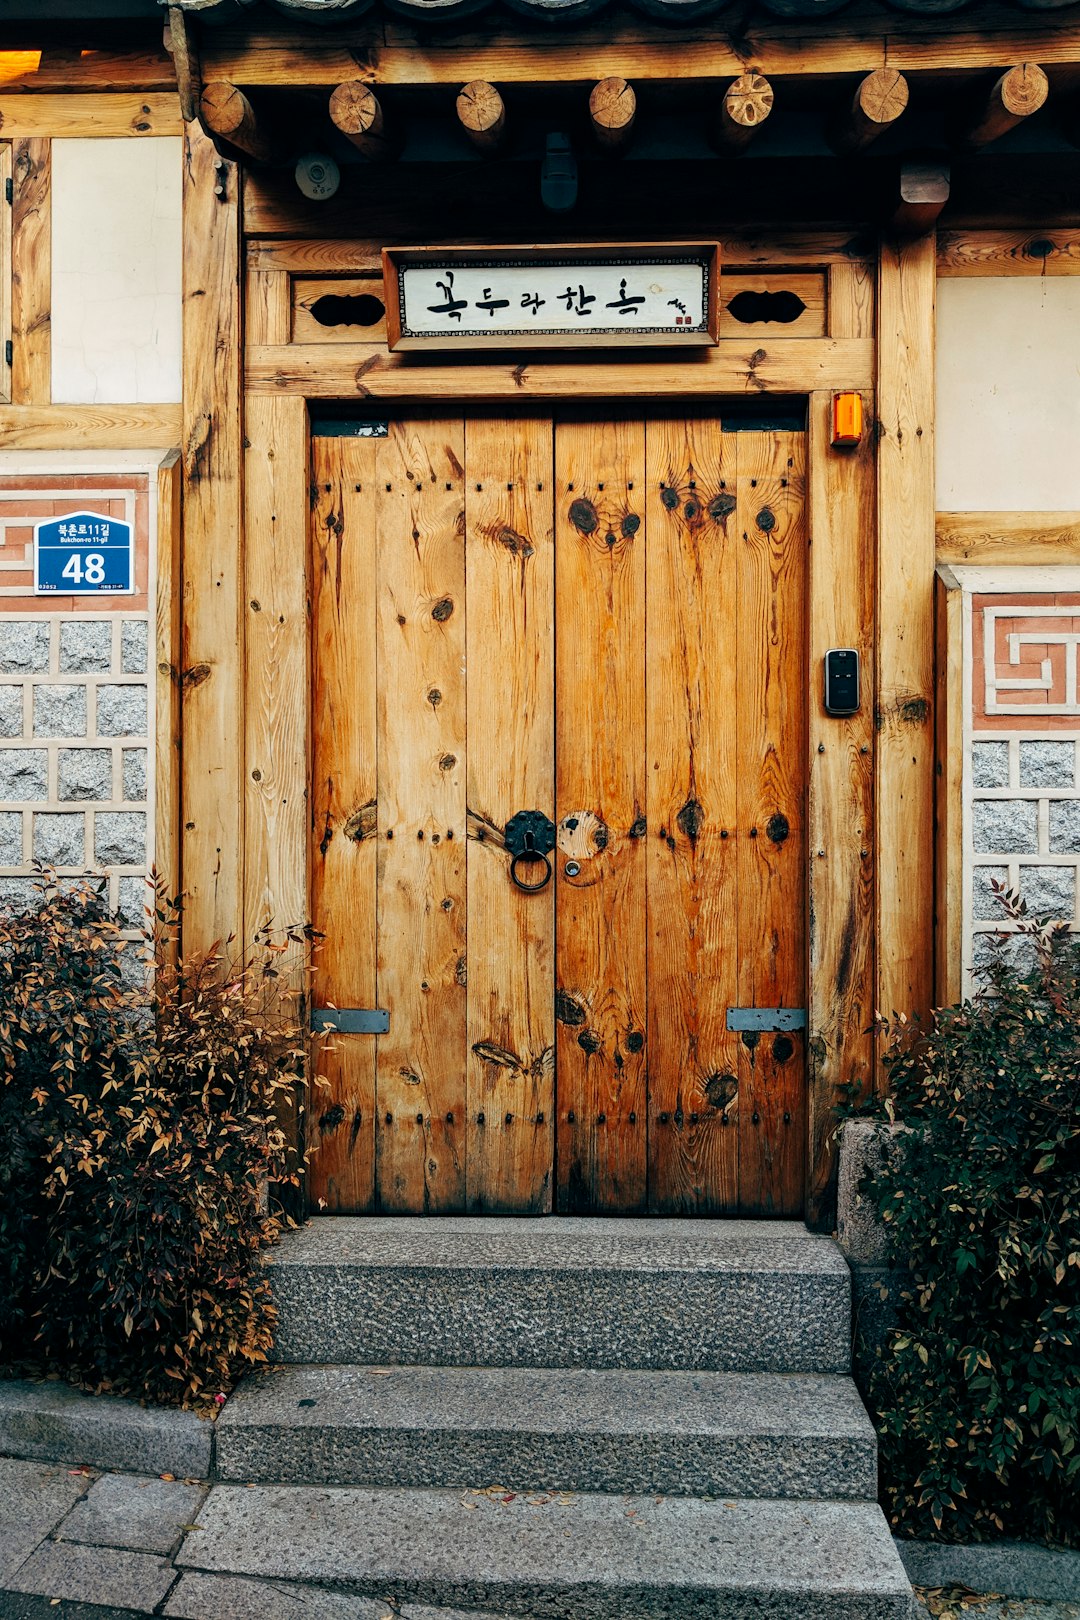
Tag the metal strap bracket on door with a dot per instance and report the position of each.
(766, 1018)
(350, 1020)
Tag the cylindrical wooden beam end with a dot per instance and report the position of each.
(746, 105)
(612, 110)
(482, 114)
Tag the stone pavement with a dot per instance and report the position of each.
(76, 1544)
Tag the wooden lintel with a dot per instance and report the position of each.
(880, 100)
(357, 113)
(1008, 539)
(734, 366)
(228, 115)
(481, 113)
(1012, 98)
(180, 44)
(747, 103)
(612, 110)
(89, 427)
(924, 191)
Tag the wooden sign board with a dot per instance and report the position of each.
(552, 297)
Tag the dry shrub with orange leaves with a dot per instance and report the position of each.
(139, 1137)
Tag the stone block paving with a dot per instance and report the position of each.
(80, 1545)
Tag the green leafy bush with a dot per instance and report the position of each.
(977, 1392)
(136, 1150)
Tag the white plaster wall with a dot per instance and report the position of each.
(116, 259)
(1008, 394)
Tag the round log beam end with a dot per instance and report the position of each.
(612, 109)
(482, 114)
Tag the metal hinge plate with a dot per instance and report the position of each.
(351, 1020)
(766, 1018)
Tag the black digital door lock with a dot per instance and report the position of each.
(841, 681)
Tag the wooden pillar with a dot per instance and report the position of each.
(31, 273)
(212, 824)
(905, 618)
(840, 830)
(167, 653)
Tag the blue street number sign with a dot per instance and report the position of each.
(83, 554)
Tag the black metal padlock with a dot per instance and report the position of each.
(529, 836)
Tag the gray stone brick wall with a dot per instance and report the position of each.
(1024, 832)
(76, 748)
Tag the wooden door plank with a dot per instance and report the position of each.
(510, 558)
(600, 770)
(841, 796)
(905, 619)
(771, 721)
(344, 846)
(691, 564)
(420, 1137)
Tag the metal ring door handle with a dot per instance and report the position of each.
(531, 855)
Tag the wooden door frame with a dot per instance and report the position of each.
(839, 770)
(869, 940)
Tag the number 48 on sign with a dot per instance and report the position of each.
(83, 554)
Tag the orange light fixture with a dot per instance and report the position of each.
(847, 419)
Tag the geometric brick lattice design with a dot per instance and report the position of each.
(76, 702)
(1023, 766)
(1025, 662)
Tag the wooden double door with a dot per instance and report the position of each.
(601, 621)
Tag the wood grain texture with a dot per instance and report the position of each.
(612, 111)
(809, 289)
(357, 113)
(90, 116)
(5, 277)
(638, 49)
(69, 68)
(601, 795)
(276, 675)
(747, 103)
(770, 519)
(268, 306)
(359, 255)
(949, 780)
(167, 629)
(31, 272)
(851, 288)
(511, 766)
(212, 676)
(841, 796)
(344, 788)
(878, 103)
(693, 950)
(89, 427)
(1008, 253)
(420, 1143)
(1008, 539)
(1019, 92)
(905, 628)
(481, 113)
(307, 291)
(733, 366)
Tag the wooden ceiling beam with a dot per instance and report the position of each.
(228, 115)
(1012, 98)
(924, 191)
(747, 103)
(481, 113)
(879, 102)
(395, 53)
(357, 113)
(612, 111)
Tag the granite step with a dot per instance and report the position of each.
(677, 1433)
(722, 1296)
(561, 1556)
